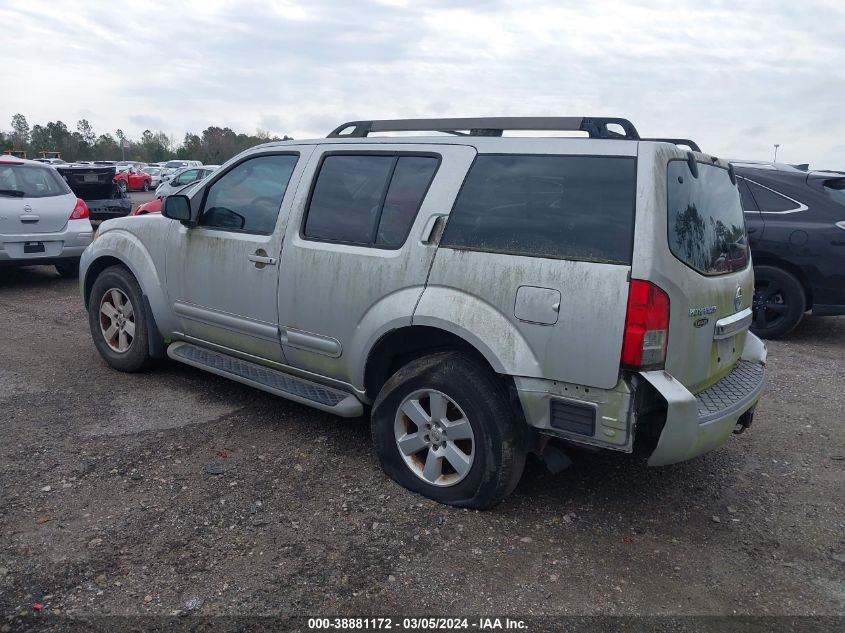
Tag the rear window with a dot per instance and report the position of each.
(836, 189)
(31, 181)
(564, 207)
(705, 219)
(175, 164)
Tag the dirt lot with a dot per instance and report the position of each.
(177, 491)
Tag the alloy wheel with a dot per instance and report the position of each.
(434, 438)
(769, 304)
(117, 320)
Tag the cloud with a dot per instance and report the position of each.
(735, 77)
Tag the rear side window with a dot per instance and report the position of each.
(31, 181)
(368, 199)
(566, 207)
(705, 219)
(771, 201)
(745, 196)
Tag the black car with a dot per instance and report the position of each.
(796, 228)
(95, 185)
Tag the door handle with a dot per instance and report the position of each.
(262, 259)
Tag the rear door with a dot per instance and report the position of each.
(360, 246)
(33, 199)
(694, 246)
(544, 240)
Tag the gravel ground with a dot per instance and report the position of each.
(179, 492)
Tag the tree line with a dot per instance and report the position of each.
(213, 146)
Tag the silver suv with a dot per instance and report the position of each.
(482, 294)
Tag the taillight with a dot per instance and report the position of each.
(841, 225)
(80, 211)
(646, 327)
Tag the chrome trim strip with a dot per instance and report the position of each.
(733, 324)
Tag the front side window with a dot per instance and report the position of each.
(249, 196)
(368, 199)
(705, 219)
(563, 207)
(30, 181)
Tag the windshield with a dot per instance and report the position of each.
(705, 219)
(174, 164)
(30, 181)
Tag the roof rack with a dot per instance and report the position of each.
(677, 141)
(595, 127)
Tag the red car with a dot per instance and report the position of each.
(128, 178)
(153, 206)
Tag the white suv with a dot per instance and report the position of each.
(41, 219)
(484, 295)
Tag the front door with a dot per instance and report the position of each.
(223, 274)
(360, 245)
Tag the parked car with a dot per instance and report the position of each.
(130, 178)
(483, 294)
(41, 220)
(184, 177)
(796, 227)
(154, 174)
(154, 205)
(95, 184)
(50, 161)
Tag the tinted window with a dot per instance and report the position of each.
(836, 189)
(249, 196)
(187, 176)
(705, 219)
(405, 194)
(745, 196)
(31, 181)
(573, 207)
(768, 200)
(368, 199)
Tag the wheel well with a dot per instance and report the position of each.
(399, 347)
(793, 270)
(94, 270)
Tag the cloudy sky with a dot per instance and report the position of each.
(735, 76)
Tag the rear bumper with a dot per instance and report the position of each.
(67, 245)
(698, 423)
(108, 208)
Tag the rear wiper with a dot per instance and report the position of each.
(12, 192)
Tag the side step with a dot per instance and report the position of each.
(276, 382)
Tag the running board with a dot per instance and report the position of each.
(276, 382)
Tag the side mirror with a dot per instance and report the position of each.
(177, 208)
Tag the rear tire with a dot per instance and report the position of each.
(779, 302)
(460, 443)
(116, 302)
(146, 185)
(68, 270)
(124, 187)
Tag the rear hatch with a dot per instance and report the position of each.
(33, 199)
(700, 258)
(90, 182)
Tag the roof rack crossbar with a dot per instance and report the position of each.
(595, 127)
(677, 141)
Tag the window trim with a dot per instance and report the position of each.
(744, 225)
(218, 174)
(358, 152)
(475, 249)
(801, 206)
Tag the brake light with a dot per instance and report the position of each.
(646, 327)
(841, 225)
(80, 211)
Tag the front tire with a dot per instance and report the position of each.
(442, 426)
(117, 320)
(124, 187)
(779, 302)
